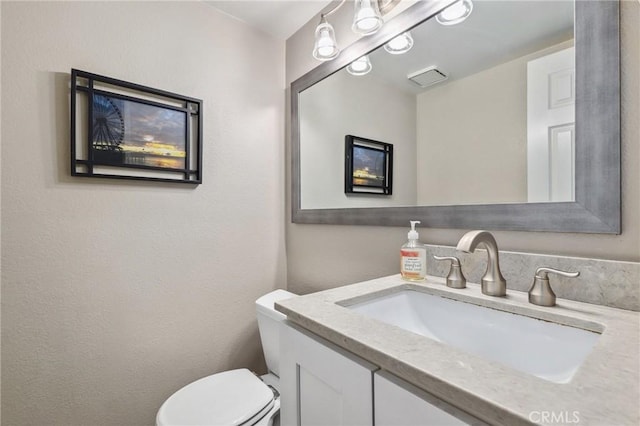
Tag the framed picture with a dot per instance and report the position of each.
(123, 130)
(368, 166)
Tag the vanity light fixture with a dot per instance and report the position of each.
(360, 66)
(367, 19)
(400, 44)
(455, 13)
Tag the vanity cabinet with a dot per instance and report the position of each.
(322, 384)
(398, 403)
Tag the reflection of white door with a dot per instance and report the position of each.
(550, 127)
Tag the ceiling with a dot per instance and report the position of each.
(279, 18)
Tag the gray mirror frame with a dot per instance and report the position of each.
(597, 205)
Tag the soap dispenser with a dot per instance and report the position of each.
(413, 256)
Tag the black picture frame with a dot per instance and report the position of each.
(123, 130)
(368, 166)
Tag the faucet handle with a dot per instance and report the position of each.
(455, 279)
(540, 292)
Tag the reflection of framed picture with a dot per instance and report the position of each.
(126, 131)
(368, 166)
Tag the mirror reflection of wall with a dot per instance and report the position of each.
(464, 140)
(346, 105)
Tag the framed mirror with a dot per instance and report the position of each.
(447, 173)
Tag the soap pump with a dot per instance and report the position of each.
(413, 256)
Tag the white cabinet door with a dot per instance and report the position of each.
(398, 403)
(321, 384)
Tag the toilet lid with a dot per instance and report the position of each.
(234, 397)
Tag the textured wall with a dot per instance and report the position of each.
(322, 256)
(115, 294)
(0, 216)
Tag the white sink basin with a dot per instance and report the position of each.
(547, 350)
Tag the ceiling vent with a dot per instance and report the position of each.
(427, 77)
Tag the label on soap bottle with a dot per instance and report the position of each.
(412, 264)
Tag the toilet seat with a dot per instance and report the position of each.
(235, 397)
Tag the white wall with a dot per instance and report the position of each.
(323, 256)
(343, 104)
(116, 294)
(0, 217)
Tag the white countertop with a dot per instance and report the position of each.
(604, 391)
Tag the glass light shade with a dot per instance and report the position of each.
(367, 18)
(360, 66)
(400, 44)
(326, 47)
(455, 13)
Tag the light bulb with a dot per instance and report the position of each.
(325, 47)
(400, 44)
(455, 13)
(367, 18)
(360, 66)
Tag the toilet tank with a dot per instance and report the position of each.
(269, 322)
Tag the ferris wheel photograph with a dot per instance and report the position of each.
(126, 132)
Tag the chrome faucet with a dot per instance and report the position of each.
(493, 283)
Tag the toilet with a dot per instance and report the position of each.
(235, 397)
